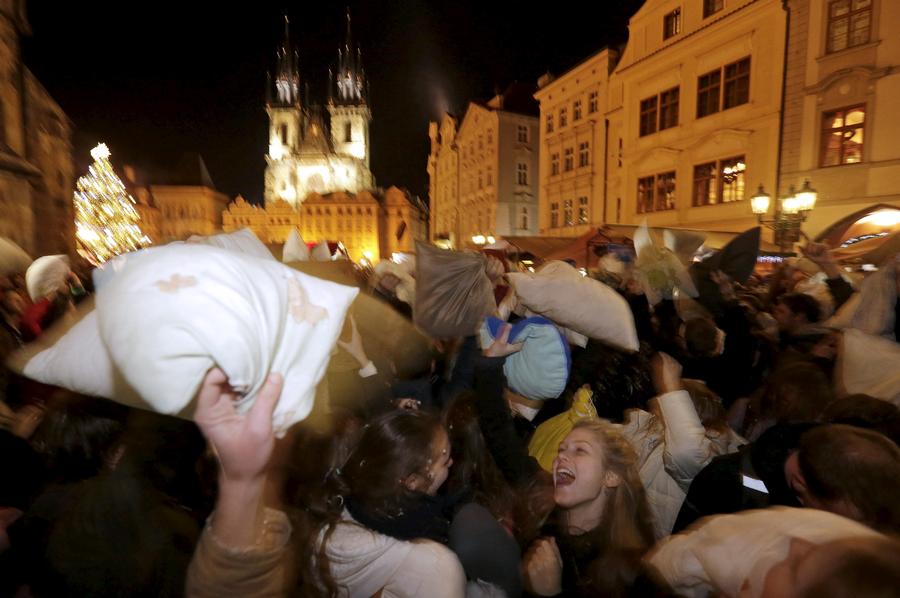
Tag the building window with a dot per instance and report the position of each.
(568, 213)
(656, 193)
(481, 142)
(554, 164)
(490, 177)
(523, 134)
(849, 23)
(731, 179)
(582, 210)
(576, 110)
(712, 96)
(645, 194)
(348, 132)
(709, 87)
(659, 112)
(283, 134)
(648, 116)
(523, 219)
(719, 182)
(842, 136)
(672, 23)
(480, 180)
(711, 7)
(668, 108)
(569, 159)
(584, 154)
(592, 102)
(549, 121)
(737, 84)
(554, 215)
(665, 191)
(563, 117)
(522, 173)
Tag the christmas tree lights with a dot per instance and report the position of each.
(106, 221)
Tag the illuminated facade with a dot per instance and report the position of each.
(483, 176)
(370, 224)
(841, 124)
(306, 154)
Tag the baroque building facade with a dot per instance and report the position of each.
(483, 174)
(710, 99)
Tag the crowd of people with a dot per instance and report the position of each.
(731, 454)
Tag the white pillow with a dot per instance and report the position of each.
(295, 250)
(46, 275)
(321, 252)
(241, 241)
(169, 314)
(559, 292)
(869, 365)
(71, 355)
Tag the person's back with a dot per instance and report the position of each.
(364, 562)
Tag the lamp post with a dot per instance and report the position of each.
(789, 215)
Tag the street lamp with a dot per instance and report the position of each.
(790, 214)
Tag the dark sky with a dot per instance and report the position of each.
(154, 79)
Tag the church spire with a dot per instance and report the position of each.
(350, 78)
(287, 76)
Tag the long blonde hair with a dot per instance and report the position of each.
(626, 523)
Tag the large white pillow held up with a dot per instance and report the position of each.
(169, 314)
(241, 241)
(560, 293)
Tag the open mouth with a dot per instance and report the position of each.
(564, 477)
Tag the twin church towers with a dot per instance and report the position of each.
(306, 154)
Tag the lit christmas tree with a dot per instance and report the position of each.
(106, 221)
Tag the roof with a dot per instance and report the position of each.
(517, 97)
(190, 172)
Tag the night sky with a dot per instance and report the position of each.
(157, 79)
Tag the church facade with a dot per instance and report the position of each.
(317, 179)
(306, 154)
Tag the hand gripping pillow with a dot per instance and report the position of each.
(241, 241)
(169, 314)
(540, 370)
(559, 292)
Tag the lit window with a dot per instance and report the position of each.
(582, 210)
(842, 136)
